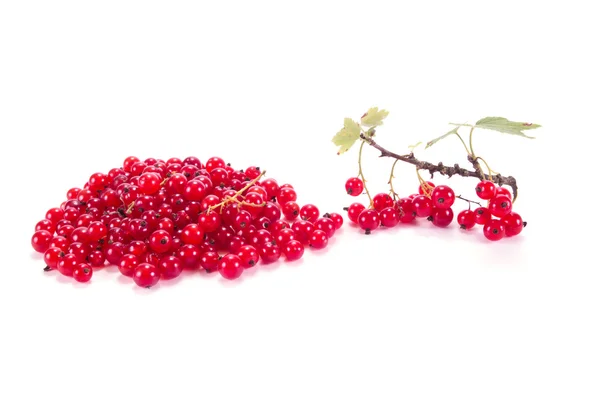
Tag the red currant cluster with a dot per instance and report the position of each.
(435, 204)
(154, 218)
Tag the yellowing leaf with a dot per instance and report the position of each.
(505, 126)
(373, 117)
(347, 136)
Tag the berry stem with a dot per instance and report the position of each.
(390, 181)
(360, 171)
(442, 169)
(237, 194)
(469, 201)
(472, 152)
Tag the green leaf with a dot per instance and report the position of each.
(505, 126)
(347, 136)
(373, 117)
(437, 139)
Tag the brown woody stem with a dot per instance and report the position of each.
(446, 170)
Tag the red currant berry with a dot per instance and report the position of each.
(354, 211)
(482, 215)
(466, 219)
(286, 194)
(214, 162)
(381, 201)
(52, 256)
(82, 273)
(209, 221)
(278, 225)
(248, 256)
(192, 234)
(284, 236)
(149, 183)
(45, 225)
(160, 241)
(269, 253)
(146, 275)
(500, 206)
(290, 210)
(369, 220)
(302, 230)
(195, 191)
(442, 197)
(128, 163)
(502, 191)
(426, 188)
(354, 186)
(40, 241)
(96, 231)
(54, 215)
(189, 256)
(209, 260)
(170, 267)
(406, 210)
(494, 230)
(309, 212)
(271, 187)
(422, 205)
(326, 225)
(318, 239)
(176, 184)
(513, 224)
(293, 250)
(96, 258)
(271, 211)
(338, 220)
(128, 264)
(442, 217)
(230, 267)
(66, 265)
(486, 190)
(389, 216)
(252, 172)
(60, 242)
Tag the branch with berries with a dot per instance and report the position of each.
(434, 203)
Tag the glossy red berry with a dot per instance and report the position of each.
(494, 230)
(486, 190)
(338, 220)
(502, 191)
(189, 256)
(66, 265)
(482, 215)
(422, 205)
(96, 231)
(40, 241)
(318, 239)
(513, 224)
(381, 201)
(170, 267)
(248, 256)
(209, 261)
(269, 253)
(500, 206)
(230, 267)
(293, 250)
(52, 256)
(389, 216)
(426, 188)
(209, 221)
(192, 234)
(128, 264)
(149, 183)
(160, 241)
(326, 225)
(285, 195)
(82, 272)
(290, 210)
(146, 275)
(369, 220)
(406, 209)
(354, 186)
(284, 236)
(309, 212)
(354, 211)
(442, 197)
(466, 219)
(442, 217)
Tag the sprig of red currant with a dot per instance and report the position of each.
(434, 202)
(155, 218)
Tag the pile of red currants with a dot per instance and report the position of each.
(435, 204)
(155, 218)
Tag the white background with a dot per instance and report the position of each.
(412, 313)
